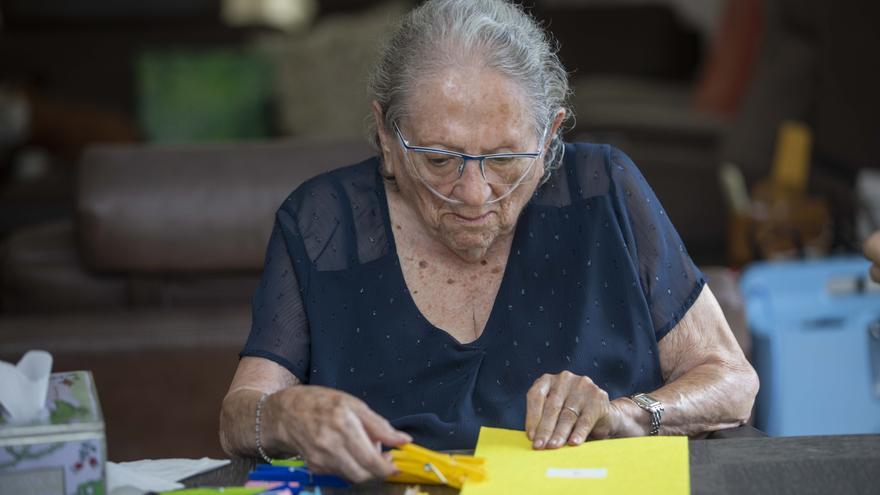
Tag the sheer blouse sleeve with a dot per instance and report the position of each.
(280, 328)
(670, 280)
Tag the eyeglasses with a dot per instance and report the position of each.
(439, 168)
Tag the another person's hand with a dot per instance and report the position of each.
(335, 432)
(872, 252)
(567, 408)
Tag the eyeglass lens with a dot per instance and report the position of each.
(440, 169)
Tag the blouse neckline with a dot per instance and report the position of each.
(485, 337)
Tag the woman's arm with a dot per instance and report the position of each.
(709, 383)
(335, 432)
(709, 386)
(253, 378)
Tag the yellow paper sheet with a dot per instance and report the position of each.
(619, 466)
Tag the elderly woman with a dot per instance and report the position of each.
(479, 271)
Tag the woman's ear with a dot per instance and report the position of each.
(379, 119)
(554, 127)
(384, 143)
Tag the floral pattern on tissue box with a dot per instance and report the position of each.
(63, 453)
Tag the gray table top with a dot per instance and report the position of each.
(734, 463)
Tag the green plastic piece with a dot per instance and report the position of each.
(288, 462)
(228, 490)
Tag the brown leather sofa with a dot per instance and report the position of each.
(149, 285)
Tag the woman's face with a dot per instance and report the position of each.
(473, 111)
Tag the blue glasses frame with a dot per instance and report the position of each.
(464, 156)
(464, 159)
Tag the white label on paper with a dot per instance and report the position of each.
(594, 473)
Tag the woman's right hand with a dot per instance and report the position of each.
(335, 432)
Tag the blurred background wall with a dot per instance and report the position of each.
(181, 71)
(670, 81)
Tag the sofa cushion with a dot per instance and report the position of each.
(193, 328)
(40, 271)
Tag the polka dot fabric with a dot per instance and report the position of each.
(596, 277)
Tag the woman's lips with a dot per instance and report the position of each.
(472, 220)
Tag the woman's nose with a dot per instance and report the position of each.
(471, 188)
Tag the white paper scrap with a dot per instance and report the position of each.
(594, 473)
(155, 474)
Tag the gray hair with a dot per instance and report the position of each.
(497, 34)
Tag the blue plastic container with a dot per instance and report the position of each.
(816, 346)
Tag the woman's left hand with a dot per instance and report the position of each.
(567, 408)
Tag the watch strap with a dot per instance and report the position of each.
(653, 406)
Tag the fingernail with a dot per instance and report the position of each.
(538, 444)
(556, 442)
(576, 440)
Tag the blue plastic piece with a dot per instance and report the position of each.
(816, 346)
(267, 472)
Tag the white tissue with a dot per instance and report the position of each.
(139, 477)
(23, 387)
(124, 480)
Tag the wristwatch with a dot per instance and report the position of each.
(651, 405)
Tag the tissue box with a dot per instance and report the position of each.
(64, 452)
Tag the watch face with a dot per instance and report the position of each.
(646, 401)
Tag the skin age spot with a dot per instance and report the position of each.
(483, 262)
(496, 269)
(423, 264)
(397, 226)
(450, 281)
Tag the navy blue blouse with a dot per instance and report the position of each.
(596, 277)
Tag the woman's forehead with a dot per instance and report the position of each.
(457, 104)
